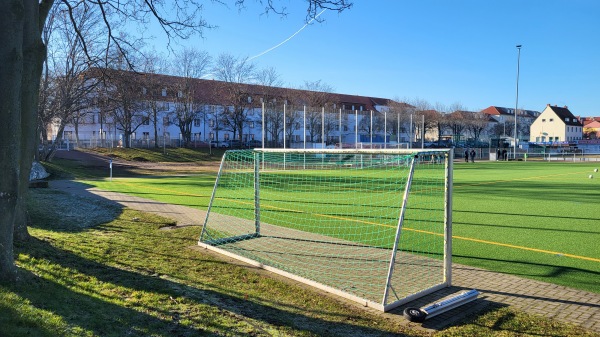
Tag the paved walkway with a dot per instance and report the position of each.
(561, 303)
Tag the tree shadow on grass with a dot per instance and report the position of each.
(56, 210)
(573, 277)
(95, 310)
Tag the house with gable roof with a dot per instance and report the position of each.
(556, 125)
(506, 118)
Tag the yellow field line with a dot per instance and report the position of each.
(454, 236)
(527, 248)
(405, 228)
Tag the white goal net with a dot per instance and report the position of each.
(370, 225)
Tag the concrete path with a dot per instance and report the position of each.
(561, 303)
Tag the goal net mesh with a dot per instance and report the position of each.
(369, 225)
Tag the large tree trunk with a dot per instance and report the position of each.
(11, 71)
(34, 53)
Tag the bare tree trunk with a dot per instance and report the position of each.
(11, 71)
(34, 53)
(52, 148)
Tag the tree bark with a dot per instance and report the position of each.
(11, 71)
(34, 53)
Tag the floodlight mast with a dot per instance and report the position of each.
(517, 100)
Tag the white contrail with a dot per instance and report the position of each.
(289, 38)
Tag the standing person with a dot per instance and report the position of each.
(472, 155)
(466, 155)
(499, 155)
(504, 155)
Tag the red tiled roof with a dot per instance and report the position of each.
(211, 91)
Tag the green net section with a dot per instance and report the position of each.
(333, 218)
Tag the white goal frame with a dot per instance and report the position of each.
(385, 304)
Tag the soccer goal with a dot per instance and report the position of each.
(373, 226)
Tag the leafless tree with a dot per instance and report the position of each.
(478, 124)
(372, 123)
(189, 65)
(269, 77)
(331, 123)
(67, 90)
(274, 99)
(124, 92)
(458, 119)
(315, 95)
(293, 120)
(398, 117)
(424, 119)
(155, 105)
(235, 73)
(440, 121)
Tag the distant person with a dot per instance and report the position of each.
(472, 155)
(466, 155)
(504, 155)
(498, 155)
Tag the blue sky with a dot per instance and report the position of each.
(440, 51)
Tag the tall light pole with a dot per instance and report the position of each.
(517, 102)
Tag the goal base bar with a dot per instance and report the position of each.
(354, 298)
(224, 241)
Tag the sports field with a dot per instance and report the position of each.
(533, 219)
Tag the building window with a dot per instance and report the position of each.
(197, 136)
(566, 119)
(543, 120)
(251, 125)
(146, 121)
(211, 136)
(166, 121)
(68, 135)
(179, 94)
(164, 92)
(196, 122)
(211, 123)
(146, 135)
(226, 137)
(551, 120)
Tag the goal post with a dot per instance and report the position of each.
(371, 225)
